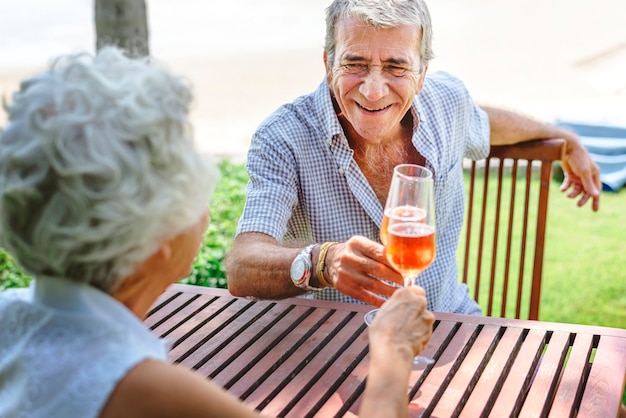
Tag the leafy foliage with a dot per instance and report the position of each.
(226, 207)
(11, 275)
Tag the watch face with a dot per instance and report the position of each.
(297, 270)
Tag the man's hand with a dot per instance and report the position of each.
(582, 175)
(357, 268)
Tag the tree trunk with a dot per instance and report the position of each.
(122, 23)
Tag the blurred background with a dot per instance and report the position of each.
(552, 60)
(549, 59)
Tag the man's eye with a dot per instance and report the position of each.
(396, 71)
(355, 68)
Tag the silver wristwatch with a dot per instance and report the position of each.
(301, 269)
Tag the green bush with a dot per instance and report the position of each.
(208, 268)
(11, 275)
(226, 206)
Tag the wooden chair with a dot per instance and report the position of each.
(505, 227)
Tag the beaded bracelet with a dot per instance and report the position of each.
(321, 264)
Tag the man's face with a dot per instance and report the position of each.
(375, 78)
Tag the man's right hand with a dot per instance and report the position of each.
(357, 268)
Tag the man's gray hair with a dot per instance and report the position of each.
(97, 166)
(380, 14)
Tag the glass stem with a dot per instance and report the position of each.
(409, 280)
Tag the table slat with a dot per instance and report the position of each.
(442, 335)
(330, 377)
(546, 376)
(604, 387)
(169, 308)
(571, 383)
(263, 344)
(466, 377)
(181, 321)
(491, 379)
(519, 375)
(201, 329)
(436, 383)
(286, 364)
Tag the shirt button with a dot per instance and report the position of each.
(341, 171)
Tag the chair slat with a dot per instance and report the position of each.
(509, 240)
(517, 207)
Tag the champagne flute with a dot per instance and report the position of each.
(408, 226)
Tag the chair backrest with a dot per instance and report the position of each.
(505, 226)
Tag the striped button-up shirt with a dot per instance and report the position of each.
(306, 187)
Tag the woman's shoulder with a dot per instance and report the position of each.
(19, 316)
(14, 294)
(52, 348)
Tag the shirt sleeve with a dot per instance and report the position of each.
(457, 115)
(479, 134)
(474, 120)
(272, 189)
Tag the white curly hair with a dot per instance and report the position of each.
(97, 166)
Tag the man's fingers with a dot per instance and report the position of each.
(584, 199)
(576, 191)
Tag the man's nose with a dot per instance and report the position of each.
(374, 85)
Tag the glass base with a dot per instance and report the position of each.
(423, 360)
(369, 317)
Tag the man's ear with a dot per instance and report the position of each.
(329, 71)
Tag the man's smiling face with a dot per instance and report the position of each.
(375, 78)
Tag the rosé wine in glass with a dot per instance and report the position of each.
(414, 212)
(410, 247)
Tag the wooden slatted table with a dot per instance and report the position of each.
(307, 358)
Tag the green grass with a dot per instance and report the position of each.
(584, 271)
(584, 278)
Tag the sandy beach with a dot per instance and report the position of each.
(559, 59)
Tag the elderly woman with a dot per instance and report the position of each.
(103, 200)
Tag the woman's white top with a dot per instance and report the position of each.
(64, 347)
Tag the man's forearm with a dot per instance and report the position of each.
(510, 128)
(258, 266)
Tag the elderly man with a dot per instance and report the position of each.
(320, 167)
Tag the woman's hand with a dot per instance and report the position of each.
(401, 329)
(403, 323)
